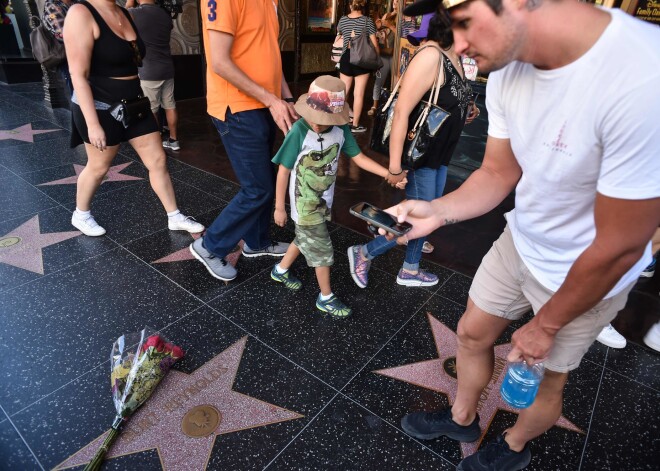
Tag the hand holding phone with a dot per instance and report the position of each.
(379, 218)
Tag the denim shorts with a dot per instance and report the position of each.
(504, 287)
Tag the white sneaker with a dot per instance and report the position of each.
(652, 337)
(184, 223)
(87, 226)
(610, 337)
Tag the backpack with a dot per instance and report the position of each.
(48, 51)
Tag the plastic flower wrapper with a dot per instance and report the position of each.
(138, 363)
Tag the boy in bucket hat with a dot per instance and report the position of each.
(308, 164)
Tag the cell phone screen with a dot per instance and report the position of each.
(380, 218)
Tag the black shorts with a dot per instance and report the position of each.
(111, 91)
(346, 68)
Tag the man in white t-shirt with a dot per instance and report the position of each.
(571, 98)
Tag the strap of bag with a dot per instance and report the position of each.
(398, 83)
(433, 97)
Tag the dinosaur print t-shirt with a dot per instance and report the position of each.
(312, 159)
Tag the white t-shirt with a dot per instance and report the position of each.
(590, 126)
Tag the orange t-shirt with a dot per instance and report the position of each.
(255, 51)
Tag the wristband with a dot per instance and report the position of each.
(394, 174)
(289, 100)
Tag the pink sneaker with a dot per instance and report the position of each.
(359, 266)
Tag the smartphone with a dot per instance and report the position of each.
(379, 218)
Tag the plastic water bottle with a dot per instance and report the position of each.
(521, 384)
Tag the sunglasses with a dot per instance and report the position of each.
(137, 57)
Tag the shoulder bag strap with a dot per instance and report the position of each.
(398, 83)
(435, 92)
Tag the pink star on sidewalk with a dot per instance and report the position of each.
(184, 254)
(22, 246)
(158, 424)
(440, 375)
(113, 175)
(23, 133)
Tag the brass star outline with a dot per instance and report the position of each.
(157, 425)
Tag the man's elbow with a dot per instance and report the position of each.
(220, 67)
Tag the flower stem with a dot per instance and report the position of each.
(96, 462)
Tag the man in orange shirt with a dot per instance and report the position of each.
(247, 97)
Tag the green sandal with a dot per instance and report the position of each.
(334, 307)
(287, 279)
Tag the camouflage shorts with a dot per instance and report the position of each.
(315, 244)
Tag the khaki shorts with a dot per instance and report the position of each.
(504, 287)
(160, 93)
(315, 244)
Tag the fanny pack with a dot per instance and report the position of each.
(128, 112)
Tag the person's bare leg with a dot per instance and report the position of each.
(172, 118)
(542, 414)
(358, 97)
(348, 82)
(289, 257)
(323, 277)
(150, 149)
(92, 175)
(477, 332)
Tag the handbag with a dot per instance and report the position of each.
(48, 51)
(427, 117)
(128, 112)
(362, 51)
(337, 48)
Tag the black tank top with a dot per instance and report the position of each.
(113, 56)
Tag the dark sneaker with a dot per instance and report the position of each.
(649, 271)
(276, 249)
(286, 278)
(421, 278)
(430, 425)
(334, 307)
(357, 129)
(496, 455)
(218, 267)
(359, 266)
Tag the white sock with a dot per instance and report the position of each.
(82, 214)
(173, 214)
(279, 270)
(324, 297)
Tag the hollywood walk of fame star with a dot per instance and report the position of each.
(158, 424)
(21, 247)
(440, 375)
(23, 133)
(113, 175)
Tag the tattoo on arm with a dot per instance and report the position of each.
(451, 221)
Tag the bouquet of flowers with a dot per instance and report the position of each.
(134, 377)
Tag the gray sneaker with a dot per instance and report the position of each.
(218, 267)
(276, 249)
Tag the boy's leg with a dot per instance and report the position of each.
(290, 256)
(323, 277)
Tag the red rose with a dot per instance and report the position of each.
(153, 341)
(168, 347)
(177, 352)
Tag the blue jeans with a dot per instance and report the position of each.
(424, 184)
(248, 138)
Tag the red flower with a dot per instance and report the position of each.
(153, 341)
(177, 352)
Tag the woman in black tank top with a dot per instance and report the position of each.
(426, 183)
(104, 51)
